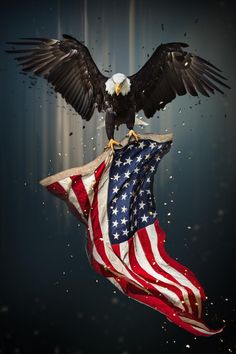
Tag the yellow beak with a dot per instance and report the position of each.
(118, 89)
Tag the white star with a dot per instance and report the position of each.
(128, 161)
(152, 145)
(114, 200)
(154, 214)
(116, 177)
(123, 209)
(148, 180)
(135, 211)
(125, 232)
(141, 145)
(139, 158)
(132, 228)
(136, 223)
(157, 157)
(141, 205)
(114, 211)
(123, 221)
(115, 223)
(136, 170)
(118, 163)
(124, 196)
(127, 174)
(147, 156)
(135, 181)
(148, 191)
(152, 169)
(144, 218)
(115, 190)
(130, 146)
(116, 236)
(126, 184)
(141, 191)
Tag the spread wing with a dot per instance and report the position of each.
(172, 71)
(68, 66)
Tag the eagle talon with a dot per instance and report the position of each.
(111, 144)
(135, 135)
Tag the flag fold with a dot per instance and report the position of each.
(113, 196)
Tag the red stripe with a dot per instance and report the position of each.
(136, 267)
(81, 194)
(58, 190)
(157, 302)
(146, 246)
(179, 267)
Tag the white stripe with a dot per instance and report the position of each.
(144, 264)
(65, 183)
(167, 268)
(88, 182)
(199, 324)
(124, 253)
(114, 282)
(162, 277)
(207, 332)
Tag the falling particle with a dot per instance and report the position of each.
(83, 126)
(171, 177)
(179, 151)
(169, 214)
(226, 299)
(71, 133)
(114, 300)
(230, 350)
(187, 346)
(189, 227)
(196, 20)
(183, 124)
(4, 309)
(185, 34)
(162, 27)
(59, 153)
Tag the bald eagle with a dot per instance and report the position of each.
(67, 64)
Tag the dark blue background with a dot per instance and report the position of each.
(50, 299)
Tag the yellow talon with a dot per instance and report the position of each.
(135, 135)
(111, 144)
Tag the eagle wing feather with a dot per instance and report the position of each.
(66, 64)
(172, 71)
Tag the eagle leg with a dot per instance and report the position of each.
(111, 144)
(132, 133)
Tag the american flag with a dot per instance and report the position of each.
(113, 196)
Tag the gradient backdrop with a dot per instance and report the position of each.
(51, 301)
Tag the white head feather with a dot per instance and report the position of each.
(118, 79)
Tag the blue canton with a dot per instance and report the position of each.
(131, 203)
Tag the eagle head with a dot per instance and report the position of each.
(118, 83)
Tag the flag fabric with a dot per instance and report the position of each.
(113, 196)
